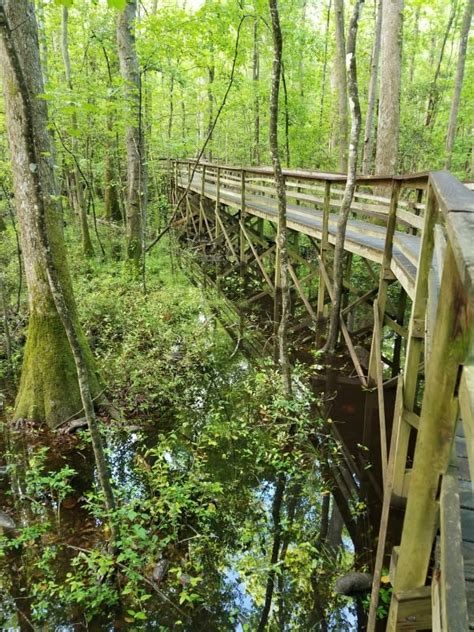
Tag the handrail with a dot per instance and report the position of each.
(306, 174)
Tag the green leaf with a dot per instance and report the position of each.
(117, 4)
(65, 3)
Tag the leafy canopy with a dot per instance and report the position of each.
(115, 4)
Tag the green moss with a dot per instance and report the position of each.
(49, 390)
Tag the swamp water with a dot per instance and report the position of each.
(207, 571)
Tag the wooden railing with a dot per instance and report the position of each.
(429, 218)
(444, 300)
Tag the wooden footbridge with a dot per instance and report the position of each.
(407, 321)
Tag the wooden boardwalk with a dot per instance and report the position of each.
(413, 238)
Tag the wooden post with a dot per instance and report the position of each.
(175, 167)
(386, 276)
(218, 200)
(324, 247)
(242, 218)
(201, 201)
(436, 429)
(415, 341)
(406, 392)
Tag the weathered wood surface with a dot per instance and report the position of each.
(362, 238)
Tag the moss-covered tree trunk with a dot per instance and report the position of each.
(49, 389)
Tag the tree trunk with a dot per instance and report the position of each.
(374, 74)
(210, 99)
(287, 119)
(414, 40)
(453, 116)
(171, 111)
(341, 83)
(256, 96)
(43, 42)
(136, 177)
(301, 54)
(350, 182)
(433, 95)
(112, 209)
(19, 54)
(49, 388)
(325, 64)
(282, 289)
(77, 198)
(390, 78)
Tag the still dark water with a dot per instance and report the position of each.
(55, 525)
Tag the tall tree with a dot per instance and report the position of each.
(390, 84)
(136, 174)
(211, 69)
(433, 94)
(325, 63)
(49, 389)
(282, 294)
(256, 96)
(373, 85)
(341, 83)
(338, 266)
(453, 116)
(74, 177)
(49, 287)
(112, 193)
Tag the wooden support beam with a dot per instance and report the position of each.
(436, 429)
(218, 198)
(414, 343)
(242, 215)
(201, 201)
(345, 333)
(257, 258)
(411, 611)
(226, 235)
(323, 253)
(387, 497)
(380, 394)
(383, 281)
(300, 290)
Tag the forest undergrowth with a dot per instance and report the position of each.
(194, 436)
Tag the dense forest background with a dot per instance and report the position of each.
(200, 496)
(186, 51)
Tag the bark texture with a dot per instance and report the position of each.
(341, 83)
(390, 81)
(373, 85)
(134, 137)
(453, 116)
(338, 267)
(49, 389)
(256, 96)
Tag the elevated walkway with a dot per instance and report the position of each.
(410, 270)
